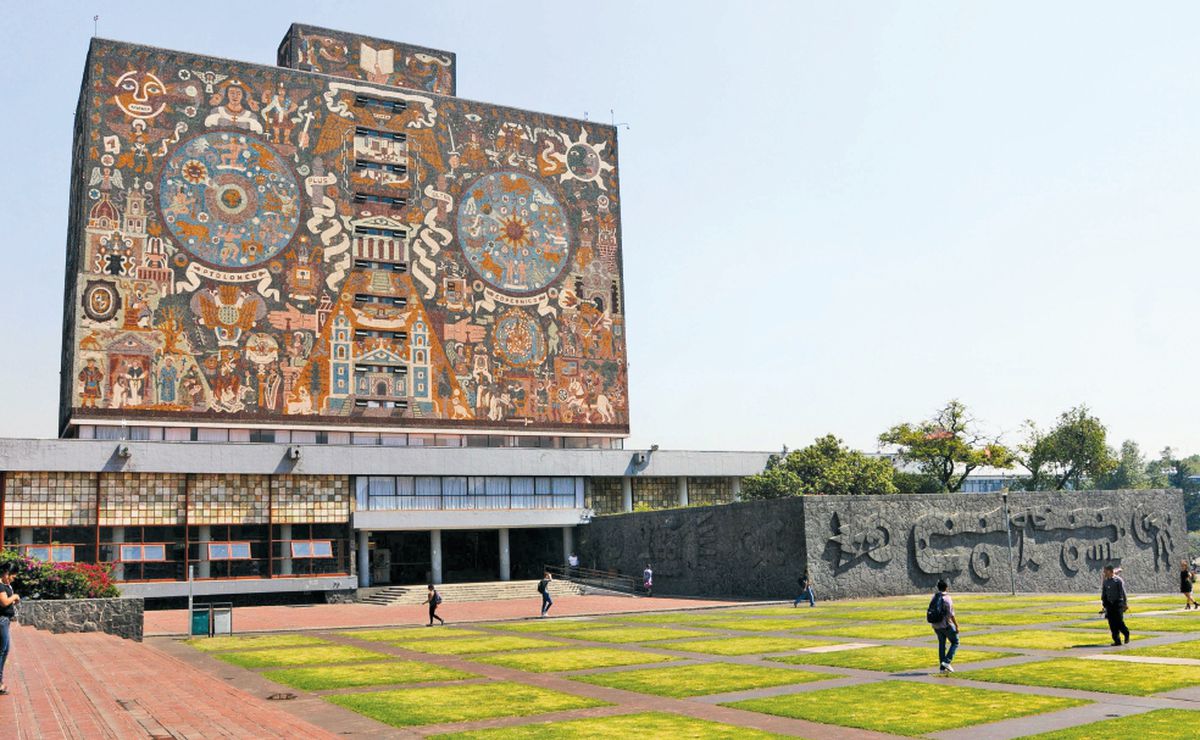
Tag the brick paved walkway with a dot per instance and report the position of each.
(331, 616)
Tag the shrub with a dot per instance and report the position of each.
(40, 580)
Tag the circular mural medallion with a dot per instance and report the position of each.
(583, 161)
(229, 199)
(101, 301)
(513, 232)
(519, 339)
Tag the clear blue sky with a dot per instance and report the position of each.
(837, 216)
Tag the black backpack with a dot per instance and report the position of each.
(542, 586)
(937, 609)
(437, 598)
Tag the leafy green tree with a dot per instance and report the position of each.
(1130, 471)
(825, 467)
(916, 483)
(1073, 452)
(947, 447)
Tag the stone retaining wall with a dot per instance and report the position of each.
(121, 617)
(857, 546)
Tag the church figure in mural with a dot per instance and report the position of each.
(91, 377)
(168, 376)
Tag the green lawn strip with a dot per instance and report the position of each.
(630, 634)
(996, 604)
(1009, 618)
(698, 615)
(460, 703)
(874, 631)
(764, 624)
(700, 680)
(905, 707)
(364, 674)
(1135, 623)
(549, 626)
(822, 611)
(468, 645)
(410, 633)
(1160, 724)
(254, 642)
(570, 659)
(741, 645)
(878, 615)
(1135, 679)
(886, 658)
(1063, 612)
(301, 656)
(647, 724)
(1189, 649)
(1039, 639)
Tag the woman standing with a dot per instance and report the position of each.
(1186, 579)
(8, 611)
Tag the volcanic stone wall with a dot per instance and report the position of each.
(856, 546)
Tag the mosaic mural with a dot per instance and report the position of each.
(261, 243)
(373, 60)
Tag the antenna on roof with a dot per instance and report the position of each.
(95, 25)
(585, 116)
(612, 117)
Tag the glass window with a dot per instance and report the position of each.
(154, 552)
(365, 438)
(229, 551)
(38, 552)
(522, 486)
(139, 434)
(496, 440)
(563, 486)
(86, 431)
(527, 441)
(337, 438)
(282, 435)
(143, 553)
(106, 432)
(393, 440)
(429, 485)
(454, 485)
(177, 434)
(476, 440)
(239, 435)
(381, 485)
(497, 486)
(449, 440)
(420, 440)
(312, 549)
(575, 443)
(51, 553)
(204, 434)
(304, 437)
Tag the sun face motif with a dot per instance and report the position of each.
(515, 231)
(584, 160)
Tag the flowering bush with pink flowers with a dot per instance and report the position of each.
(36, 579)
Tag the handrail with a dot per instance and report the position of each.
(606, 579)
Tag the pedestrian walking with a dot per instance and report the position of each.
(1186, 580)
(8, 612)
(648, 580)
(434, 599)
(1115, 603)
(806, 590)
(544, 590)
(940, 614)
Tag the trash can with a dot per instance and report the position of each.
(222, 619)
(200, 621)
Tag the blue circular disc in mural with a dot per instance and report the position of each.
(229, 199)
(513, 232)
(519, 339)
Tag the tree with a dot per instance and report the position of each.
(825, 467)
(947, 447)
(1074, 451)
(1130, 471)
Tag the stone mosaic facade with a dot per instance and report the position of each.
(857, 546)
(259, 244)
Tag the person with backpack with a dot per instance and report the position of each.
(544, 590)
(8, 612)
(648, 580)
(806, 590)
(940, 614)
(1115, 603)
(434, 600)
(1186, 579)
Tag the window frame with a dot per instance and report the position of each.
(142, 548)
(229, 544)
(312, 548)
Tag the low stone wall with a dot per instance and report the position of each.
(857, 546)
(121, 617)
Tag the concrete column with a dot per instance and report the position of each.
(568, 543)
(505, 557)
(285, 537)
(627, 494)
(681, 481)
(364, 559)
(737, 489)
(435, 556)
(118, 569)
(204, 567)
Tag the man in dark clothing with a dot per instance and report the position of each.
(544, 590)
(1112, 598)
(945, 628)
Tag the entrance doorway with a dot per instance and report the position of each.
(531, 549)
(469, 555)
(408, 554)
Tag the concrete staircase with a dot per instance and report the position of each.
(461, 592)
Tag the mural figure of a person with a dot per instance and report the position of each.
(168, 376)
(92, 377)
(234, 109)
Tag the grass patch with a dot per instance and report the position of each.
(764, 624)
(798, 612)
(549, 626)
(1189, 649)
(886, 658)
(1041, 639)
(464, 703)
(875, 631)
(647, 724)
(698, 615)
(1151, 624)
(364, 674)
(629, 634)
(253, 642)
(301, 656)
(468, 645)
(741, 645)
(1160, 724)
(700, 680)
(571, 659)
(906, 708)
(1011, 619)
(1134, 679)
(410, 633)
(879, 615)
